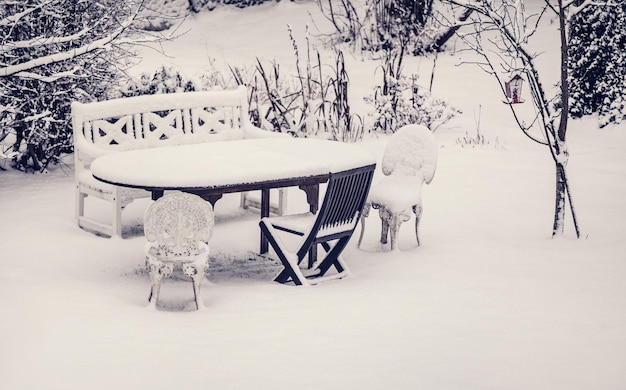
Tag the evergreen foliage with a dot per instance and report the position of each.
(597, 53)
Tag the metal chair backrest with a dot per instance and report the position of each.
(411, 151)
(178, 223)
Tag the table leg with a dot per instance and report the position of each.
(265, 212)
(312, 192)
(209, 197)
(156, 194)
(312, 197)
(213, 199)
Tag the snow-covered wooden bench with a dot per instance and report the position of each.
(150, 121)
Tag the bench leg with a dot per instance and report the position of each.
(117, 216)
(80, 204)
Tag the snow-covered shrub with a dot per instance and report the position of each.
(201, 5)
(55, 52)
(243, 3)
(345, 126)
(159, 15)
(383, 24)
(400, 101)
(168, 79)
(408, 104)
(597, 51)
(314, 104)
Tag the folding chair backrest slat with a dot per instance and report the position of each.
(335, 222)
(345, 196)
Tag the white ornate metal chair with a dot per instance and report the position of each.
(409, 160)
(178, 227)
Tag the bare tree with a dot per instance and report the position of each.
(500, 32)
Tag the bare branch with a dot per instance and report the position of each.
(42, 41)
(51, 78)
(12, 19)
(98, 44)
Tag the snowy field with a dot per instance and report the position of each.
(489, 301)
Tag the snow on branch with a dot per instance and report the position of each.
(48, 79)
(35, 117)
(575, 9)
(102, 43)
(42, 41)
(12, 19)
(61, 56)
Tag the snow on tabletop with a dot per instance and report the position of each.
(229, 163)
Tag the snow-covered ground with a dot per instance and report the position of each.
(489, 301)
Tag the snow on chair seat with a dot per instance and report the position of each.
(178, 227)
(149, 121)
(409, 160)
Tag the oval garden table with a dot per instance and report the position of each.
(213, 169)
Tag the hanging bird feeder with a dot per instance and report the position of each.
(513, 89)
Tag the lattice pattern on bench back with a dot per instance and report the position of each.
(162, 128)
(158, 120)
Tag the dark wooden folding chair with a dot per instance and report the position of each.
(335, 221)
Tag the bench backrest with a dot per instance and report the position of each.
(157, 120)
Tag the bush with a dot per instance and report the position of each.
(400, 101)
(168, 79)
(384, 24)
(316, 104)
(51, 58)
(160, 15)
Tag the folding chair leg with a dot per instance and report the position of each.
(290, 272)
(287, 275)
(332, 257)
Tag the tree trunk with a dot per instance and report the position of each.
(560, 201)
(562, 197)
